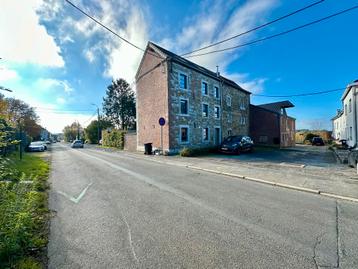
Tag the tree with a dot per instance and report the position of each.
(119, 104)
(72, 132)
(91, 131)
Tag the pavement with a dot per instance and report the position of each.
(122, 210)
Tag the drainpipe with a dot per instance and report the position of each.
(355, 115)
(221, 92)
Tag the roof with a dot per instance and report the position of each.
(339, 113)
(176, 58)
(349, 87)
(277, 106)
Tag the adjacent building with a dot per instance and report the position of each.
(200, 107)
(270, 124)
(344, 124)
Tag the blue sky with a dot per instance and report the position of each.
(61, 62)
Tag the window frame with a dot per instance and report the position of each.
(350, 105)
(229, 117)
(188, 134)
(208, 135)
(202, 110)
(228, 97)
(207, 87)
(187, 81)
(180, 112)
(219, 110)
(219, 95)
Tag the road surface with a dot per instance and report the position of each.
(118, 210)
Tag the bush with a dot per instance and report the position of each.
(114, 138)
(192, 152)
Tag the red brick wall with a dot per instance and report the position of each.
(152, 102)
(264, 124)
(288, 129)
(130, 142)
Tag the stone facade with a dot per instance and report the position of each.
(159, 94)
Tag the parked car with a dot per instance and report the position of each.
(77, 144)
(317, 141)
(353, 157)
(36, 147)
(237, 144)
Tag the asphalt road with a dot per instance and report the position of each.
(112, 210)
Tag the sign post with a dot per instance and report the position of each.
(161, 123)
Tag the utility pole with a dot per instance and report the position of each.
(20, 130)
(98, 124)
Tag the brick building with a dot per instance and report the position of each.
(200, 106)
(270, 124)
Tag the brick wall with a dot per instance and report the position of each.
(130, 142)
(288, 130)
(264, 126)
(152, 103)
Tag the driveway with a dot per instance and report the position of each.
(301, 155)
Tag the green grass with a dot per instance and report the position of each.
(24, 213)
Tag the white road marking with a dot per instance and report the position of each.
(73, 199)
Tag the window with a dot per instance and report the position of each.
(184, 106)
(205, 110)
(242, 120)
(184, 134)
(228, 100)
(242, 104)
(345, 109)
(217, 112)
(350, 133)
(204, 88)
(216, 92)
(206, 134)
(183, 81)
(229, 132)
(229, 117)
(350, 105)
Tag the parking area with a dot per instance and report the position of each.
(320, 156)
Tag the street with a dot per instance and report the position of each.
(113, 210)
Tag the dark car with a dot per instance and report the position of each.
(353, 157)
(317, 141)
(236, 144)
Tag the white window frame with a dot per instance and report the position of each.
(350, 105)
(187, 81)
(202, 110)
(217, 86)
(202, 135)
(216, 106)
(229, 117)
(228, 103)
(181, 114)
(207, 89)
(180, 127)
(242, 104)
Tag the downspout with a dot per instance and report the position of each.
(355, 115)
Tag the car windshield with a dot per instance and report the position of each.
(231, 139)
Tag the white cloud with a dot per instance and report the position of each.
(23, 38)
(60, 100)
(254, 86)
(7, 74)
(50, 84)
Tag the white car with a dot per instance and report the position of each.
(36, 147)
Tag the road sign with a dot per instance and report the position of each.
(161, 121)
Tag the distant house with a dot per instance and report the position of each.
(345, 121)
(200, 107)
(270, 124)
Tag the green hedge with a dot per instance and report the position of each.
(113, 138)
(192, 152)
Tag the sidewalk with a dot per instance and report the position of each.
(336, 180)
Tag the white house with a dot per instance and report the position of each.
(345, 122)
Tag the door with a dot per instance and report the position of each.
(217, 136)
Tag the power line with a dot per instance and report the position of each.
(255, 28)
(300, 94)
(109, 29)
(276, 35)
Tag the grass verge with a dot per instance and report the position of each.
(24, 212)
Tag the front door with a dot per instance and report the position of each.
(217, 136)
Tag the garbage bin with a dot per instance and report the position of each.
(148, 148)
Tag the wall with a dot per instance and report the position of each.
(152, 103)
(288, 130)
(130, 142)
(264, 126)
(195, 119)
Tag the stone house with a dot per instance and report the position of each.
(270, 124)
(200, 107)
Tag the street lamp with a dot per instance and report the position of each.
(98, 123)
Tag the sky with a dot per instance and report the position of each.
(60, 62)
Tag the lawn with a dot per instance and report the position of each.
(23, 211)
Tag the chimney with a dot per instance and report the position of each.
(217, 71)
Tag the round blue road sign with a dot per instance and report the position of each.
(161, 121)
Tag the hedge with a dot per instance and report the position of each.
(113, 138)
(192, 152)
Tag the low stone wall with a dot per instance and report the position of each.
(130, 142)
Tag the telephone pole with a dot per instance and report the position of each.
(98, 124)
